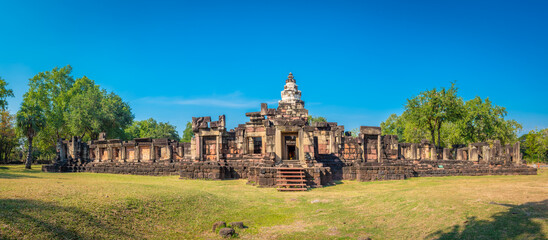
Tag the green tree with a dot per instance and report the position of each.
(150, 128)
(405, 129)
(92, 110)
(4, 94)
(30, 120)
(8, 136)
(312, 119)
(535, 146)
(393, 125)
(431, 109)
(187, 133)
(50, 89)
(485, 121)
(116, 115)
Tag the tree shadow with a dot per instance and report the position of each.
(23, 218)
(516, 222)
(15, 176)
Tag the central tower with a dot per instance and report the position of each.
(291, 93)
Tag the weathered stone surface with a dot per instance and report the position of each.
(237, 225)
(219, 224)
(226, 232)
(282, 137)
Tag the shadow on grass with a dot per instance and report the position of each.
(24, 218)
(4, 168)
(516, 222)
(15, 176)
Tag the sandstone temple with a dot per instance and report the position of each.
(278, 147)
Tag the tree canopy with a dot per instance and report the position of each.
(150, 128)
(444, 118)
(187, 133)
(5, 92)
(535, 145)
(74, 108)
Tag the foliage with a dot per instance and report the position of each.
(30, 121)
(431, 109)
(50, 89)
(150, 128)
(443, 112)
(4, 94)
(187, 133)
(8, 137)
(535, 146)
(74, 108)
(406, 130)
(312, 119)
(484, 121)
(355, 132)
(92, 110)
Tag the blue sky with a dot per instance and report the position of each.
(356, 62)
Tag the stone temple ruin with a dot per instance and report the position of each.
(278, 147)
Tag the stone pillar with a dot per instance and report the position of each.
(459, 154)
(123, 154)
(137, 154)
(447, 154)
(379, 148)
(152, 153)
(217, 148)
(473, 154)
(97, 154)
(516, 158)
(433, 153)
(486, 154)
(170, 153)
(109, 156)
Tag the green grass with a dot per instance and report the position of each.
(37, 205)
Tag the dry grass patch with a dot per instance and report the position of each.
(37, 205)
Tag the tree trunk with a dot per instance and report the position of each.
(433, 133)
(29, 155)
(439, 136)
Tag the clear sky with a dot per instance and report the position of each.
(356, 62)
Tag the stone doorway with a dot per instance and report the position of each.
(290, 149)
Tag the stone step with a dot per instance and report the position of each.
(292, 189)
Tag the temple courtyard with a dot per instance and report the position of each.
(41, 205)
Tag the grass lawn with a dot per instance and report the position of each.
(37, 205)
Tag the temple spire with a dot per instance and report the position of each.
(291, 93)
(290, 78)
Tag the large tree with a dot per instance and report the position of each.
(443, 112)
(535, 145)
(150, 128)
(92, 110)
(30, 120)
(75, 108)
(485, 121)
(8, 138)
(4, 94)
(187, 133)
(431, 109)
(51, 90)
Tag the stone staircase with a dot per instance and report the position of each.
(291, 179)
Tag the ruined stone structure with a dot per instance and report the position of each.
(278, 147)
